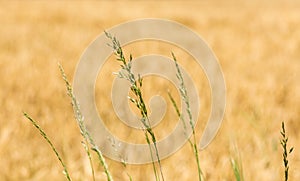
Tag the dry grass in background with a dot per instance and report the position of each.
(257, 45)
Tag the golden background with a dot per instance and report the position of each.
(257, 44)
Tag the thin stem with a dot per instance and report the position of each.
(135, 86)
(285, 154)
(83, 130)
(42, 132)
(87, 150)
(185, 99)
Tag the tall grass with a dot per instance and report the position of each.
(135, 87)
(185, 99)
(79, 119)
(88, 140)
(137, 100)
(44, 135)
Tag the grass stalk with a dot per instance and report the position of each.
(138, 101)
(87, 150)
(135, 87)
(286, 151)
(185, 99)
(83, 130)
(42, 132)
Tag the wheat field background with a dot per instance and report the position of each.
(257, 44)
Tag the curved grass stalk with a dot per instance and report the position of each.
(42, 132)
(83, 130)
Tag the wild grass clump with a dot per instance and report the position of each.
(136, 83)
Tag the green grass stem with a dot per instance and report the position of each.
(83, 130)
(42, 132)
(185, 99)
(138, 101)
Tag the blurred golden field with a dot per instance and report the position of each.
(257, 44)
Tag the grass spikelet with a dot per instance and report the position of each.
(286, 151)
